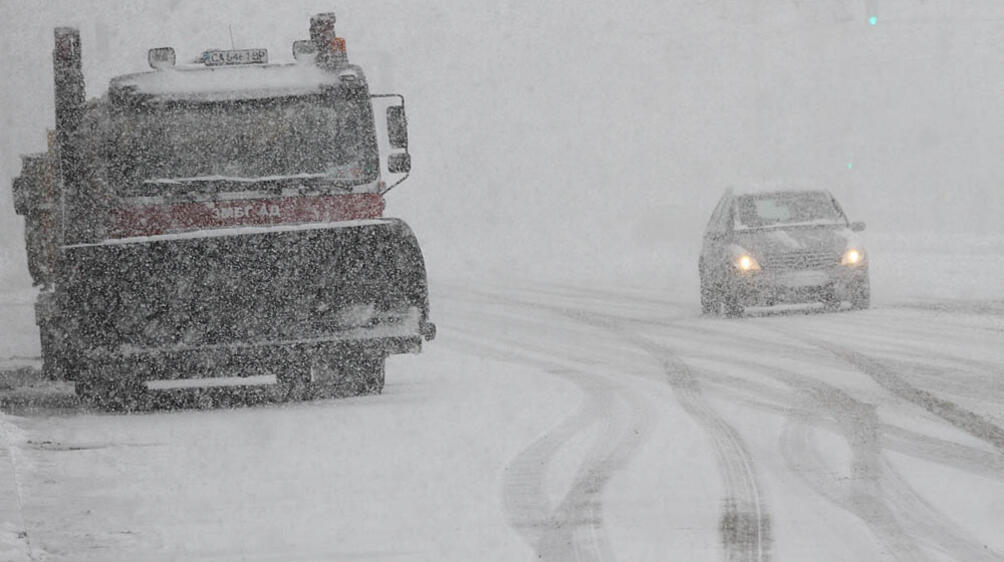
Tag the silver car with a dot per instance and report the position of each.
(792, 246)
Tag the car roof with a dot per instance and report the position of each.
(773, 189)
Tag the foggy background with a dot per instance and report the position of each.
(592, 139)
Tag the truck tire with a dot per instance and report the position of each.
(54, 364)
(105, 389)
(53, 340)
(353, 374)
(371, 372)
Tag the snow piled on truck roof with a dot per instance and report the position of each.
(234, 231)
(224, 83)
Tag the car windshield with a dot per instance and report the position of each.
(787, 208)
(333, 140)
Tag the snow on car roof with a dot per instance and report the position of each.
(775, 186)
(222, 83)
(757, 193)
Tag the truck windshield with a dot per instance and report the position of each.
(787, 208)
(154, 146)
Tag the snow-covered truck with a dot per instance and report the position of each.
(220, 223)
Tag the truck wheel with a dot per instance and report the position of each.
(362, 374)
(348, 375)
(370, 372)
(53, 363)
(107, 390)
(53, 339)
(295, 381)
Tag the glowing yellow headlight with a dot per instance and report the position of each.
(852, 257)
(747, 263)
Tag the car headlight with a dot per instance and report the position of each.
(852, 256)
(742, 259)
(747, 263)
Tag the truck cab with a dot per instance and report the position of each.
(220, 223)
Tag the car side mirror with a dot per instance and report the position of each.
(399, 163)
(857, 226)
(397, 126)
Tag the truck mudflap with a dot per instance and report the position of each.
(242, 302)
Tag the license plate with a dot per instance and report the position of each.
(804, 279)
(236, 56)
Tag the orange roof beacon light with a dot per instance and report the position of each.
(330, 48)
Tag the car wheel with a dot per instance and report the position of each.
(861, 296)
(730, 306)
(708, 304)
(831, 300)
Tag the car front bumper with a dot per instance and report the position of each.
(767, 288)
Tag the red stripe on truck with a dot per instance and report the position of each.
(149, 220)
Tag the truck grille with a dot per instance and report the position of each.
(800, 260)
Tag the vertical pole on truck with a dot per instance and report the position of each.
(69, 98)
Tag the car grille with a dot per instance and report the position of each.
(800, 260)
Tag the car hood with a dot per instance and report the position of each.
(801, 239)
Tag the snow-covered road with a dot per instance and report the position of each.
(561, 422)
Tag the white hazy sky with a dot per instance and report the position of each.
(584, 135)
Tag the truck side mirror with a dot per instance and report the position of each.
(397, 126)
(857, 226)
(399, 163)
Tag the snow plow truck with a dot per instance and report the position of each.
(219, 222)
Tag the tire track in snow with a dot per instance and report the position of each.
(745, 523)
(986, 464)
(977, 461)
(967, 421)
(877, 493)
(572, 528)
(884, 339)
